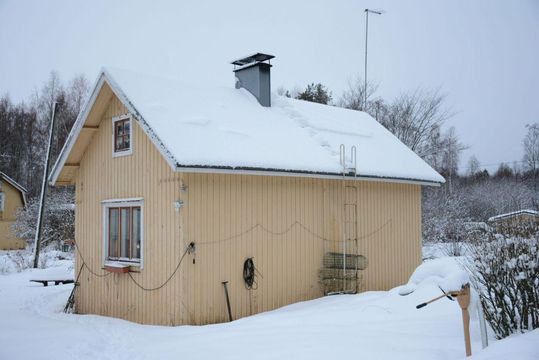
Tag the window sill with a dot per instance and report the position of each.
(120, 153)
(120, 267)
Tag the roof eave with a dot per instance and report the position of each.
(245, 170)
(15, 184)
(75, 131)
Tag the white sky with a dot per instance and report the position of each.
(483, 54)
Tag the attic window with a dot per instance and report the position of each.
(122, 135)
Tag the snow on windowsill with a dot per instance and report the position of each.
(120, 266)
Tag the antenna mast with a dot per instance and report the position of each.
(39, 226)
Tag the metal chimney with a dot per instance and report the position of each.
(253, 74)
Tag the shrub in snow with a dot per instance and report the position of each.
(19, 260)
(505, 270)
(454, 248)
(15, 261)
(6, 265)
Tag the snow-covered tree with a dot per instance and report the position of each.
(494, 196)
(444, 216)
(59, 218)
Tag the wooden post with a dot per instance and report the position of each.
(464, 301)
(463, 297)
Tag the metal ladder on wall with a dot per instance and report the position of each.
(339, 273)
(349, 221)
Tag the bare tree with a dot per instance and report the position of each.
(486, 197)
(50, 92)
(531, 152)
(416, 118)
(473, 166)
(71, 100)
(19, 136)
(77, 93)
(445, 149)
(353, 96)
(504, 171)
(24, 128)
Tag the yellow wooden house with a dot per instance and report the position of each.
(515, 221)
(185, 189)
(12, 198)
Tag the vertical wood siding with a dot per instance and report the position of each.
(12, 203)
(285, 223)
(143, 174)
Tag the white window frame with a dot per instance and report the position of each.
(131, 142)
(2, 201)
(114, 203)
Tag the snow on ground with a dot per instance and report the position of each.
(522, 346)
(372, 325)
(443, 273)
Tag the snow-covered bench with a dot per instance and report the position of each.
(56, 281)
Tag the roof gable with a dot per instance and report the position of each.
(87, 123)
(22, 190)
(225, 128)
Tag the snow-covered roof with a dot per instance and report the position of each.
(513, 214)
(220, 128)
(16, 185)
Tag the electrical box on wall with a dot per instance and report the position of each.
(178, 205)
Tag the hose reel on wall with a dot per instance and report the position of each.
(249, 274)
(249, 277)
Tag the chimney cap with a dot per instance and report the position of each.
(257, 57)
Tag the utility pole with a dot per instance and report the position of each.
(367, 11)
(39, 226)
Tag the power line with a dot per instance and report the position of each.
(140, 286)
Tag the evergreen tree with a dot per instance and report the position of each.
(317, 93)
